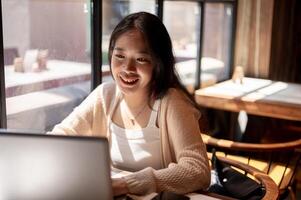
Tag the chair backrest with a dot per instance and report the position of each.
(271, 189)
(278, 160)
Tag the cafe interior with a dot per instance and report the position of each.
(240, 59)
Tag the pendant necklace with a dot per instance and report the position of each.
(132, 119)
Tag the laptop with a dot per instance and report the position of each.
(40, 166)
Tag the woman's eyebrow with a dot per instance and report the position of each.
(144, 52)
(118, 49)
(141, 51)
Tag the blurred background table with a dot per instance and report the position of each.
(255, 96)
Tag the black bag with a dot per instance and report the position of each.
(229, 182)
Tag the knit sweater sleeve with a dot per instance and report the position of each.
(189, 170)
(82, 120)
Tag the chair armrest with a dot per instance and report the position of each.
(211, 141)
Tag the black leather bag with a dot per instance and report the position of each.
(229, 182)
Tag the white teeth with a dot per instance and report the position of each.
(128, 80)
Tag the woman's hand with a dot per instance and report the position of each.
(119, 186)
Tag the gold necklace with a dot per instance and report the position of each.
(132, 119)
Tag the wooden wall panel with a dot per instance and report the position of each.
(285, 58)
(253, 41)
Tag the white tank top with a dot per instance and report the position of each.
(133, 150)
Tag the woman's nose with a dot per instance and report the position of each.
(130, 65)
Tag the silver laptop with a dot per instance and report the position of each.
(39, 166)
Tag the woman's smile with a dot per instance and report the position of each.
(129, 80)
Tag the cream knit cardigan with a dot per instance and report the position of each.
(183, 153)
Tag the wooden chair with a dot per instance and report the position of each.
(271, 189)
(278, 160)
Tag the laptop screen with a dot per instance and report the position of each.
(39, 166)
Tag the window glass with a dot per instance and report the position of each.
(47, 60)
(181, 20)
(217, 40)
(113, 12)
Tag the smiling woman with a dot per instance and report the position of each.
(149, 118)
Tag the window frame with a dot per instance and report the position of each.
(3, 122)
(96, 43)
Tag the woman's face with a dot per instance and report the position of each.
(131, 63)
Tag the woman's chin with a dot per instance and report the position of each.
(127, 89)
(131, 89)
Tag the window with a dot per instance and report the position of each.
(47, 61)
(183, 29)
(209, 37)
(52, 57)
(216, 52)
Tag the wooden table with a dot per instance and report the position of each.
(255, 96)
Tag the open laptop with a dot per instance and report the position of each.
(39, 166)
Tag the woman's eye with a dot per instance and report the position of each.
(142, 60)
(119, 56)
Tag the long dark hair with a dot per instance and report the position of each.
(160, 46)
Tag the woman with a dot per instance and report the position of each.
(150, 120)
